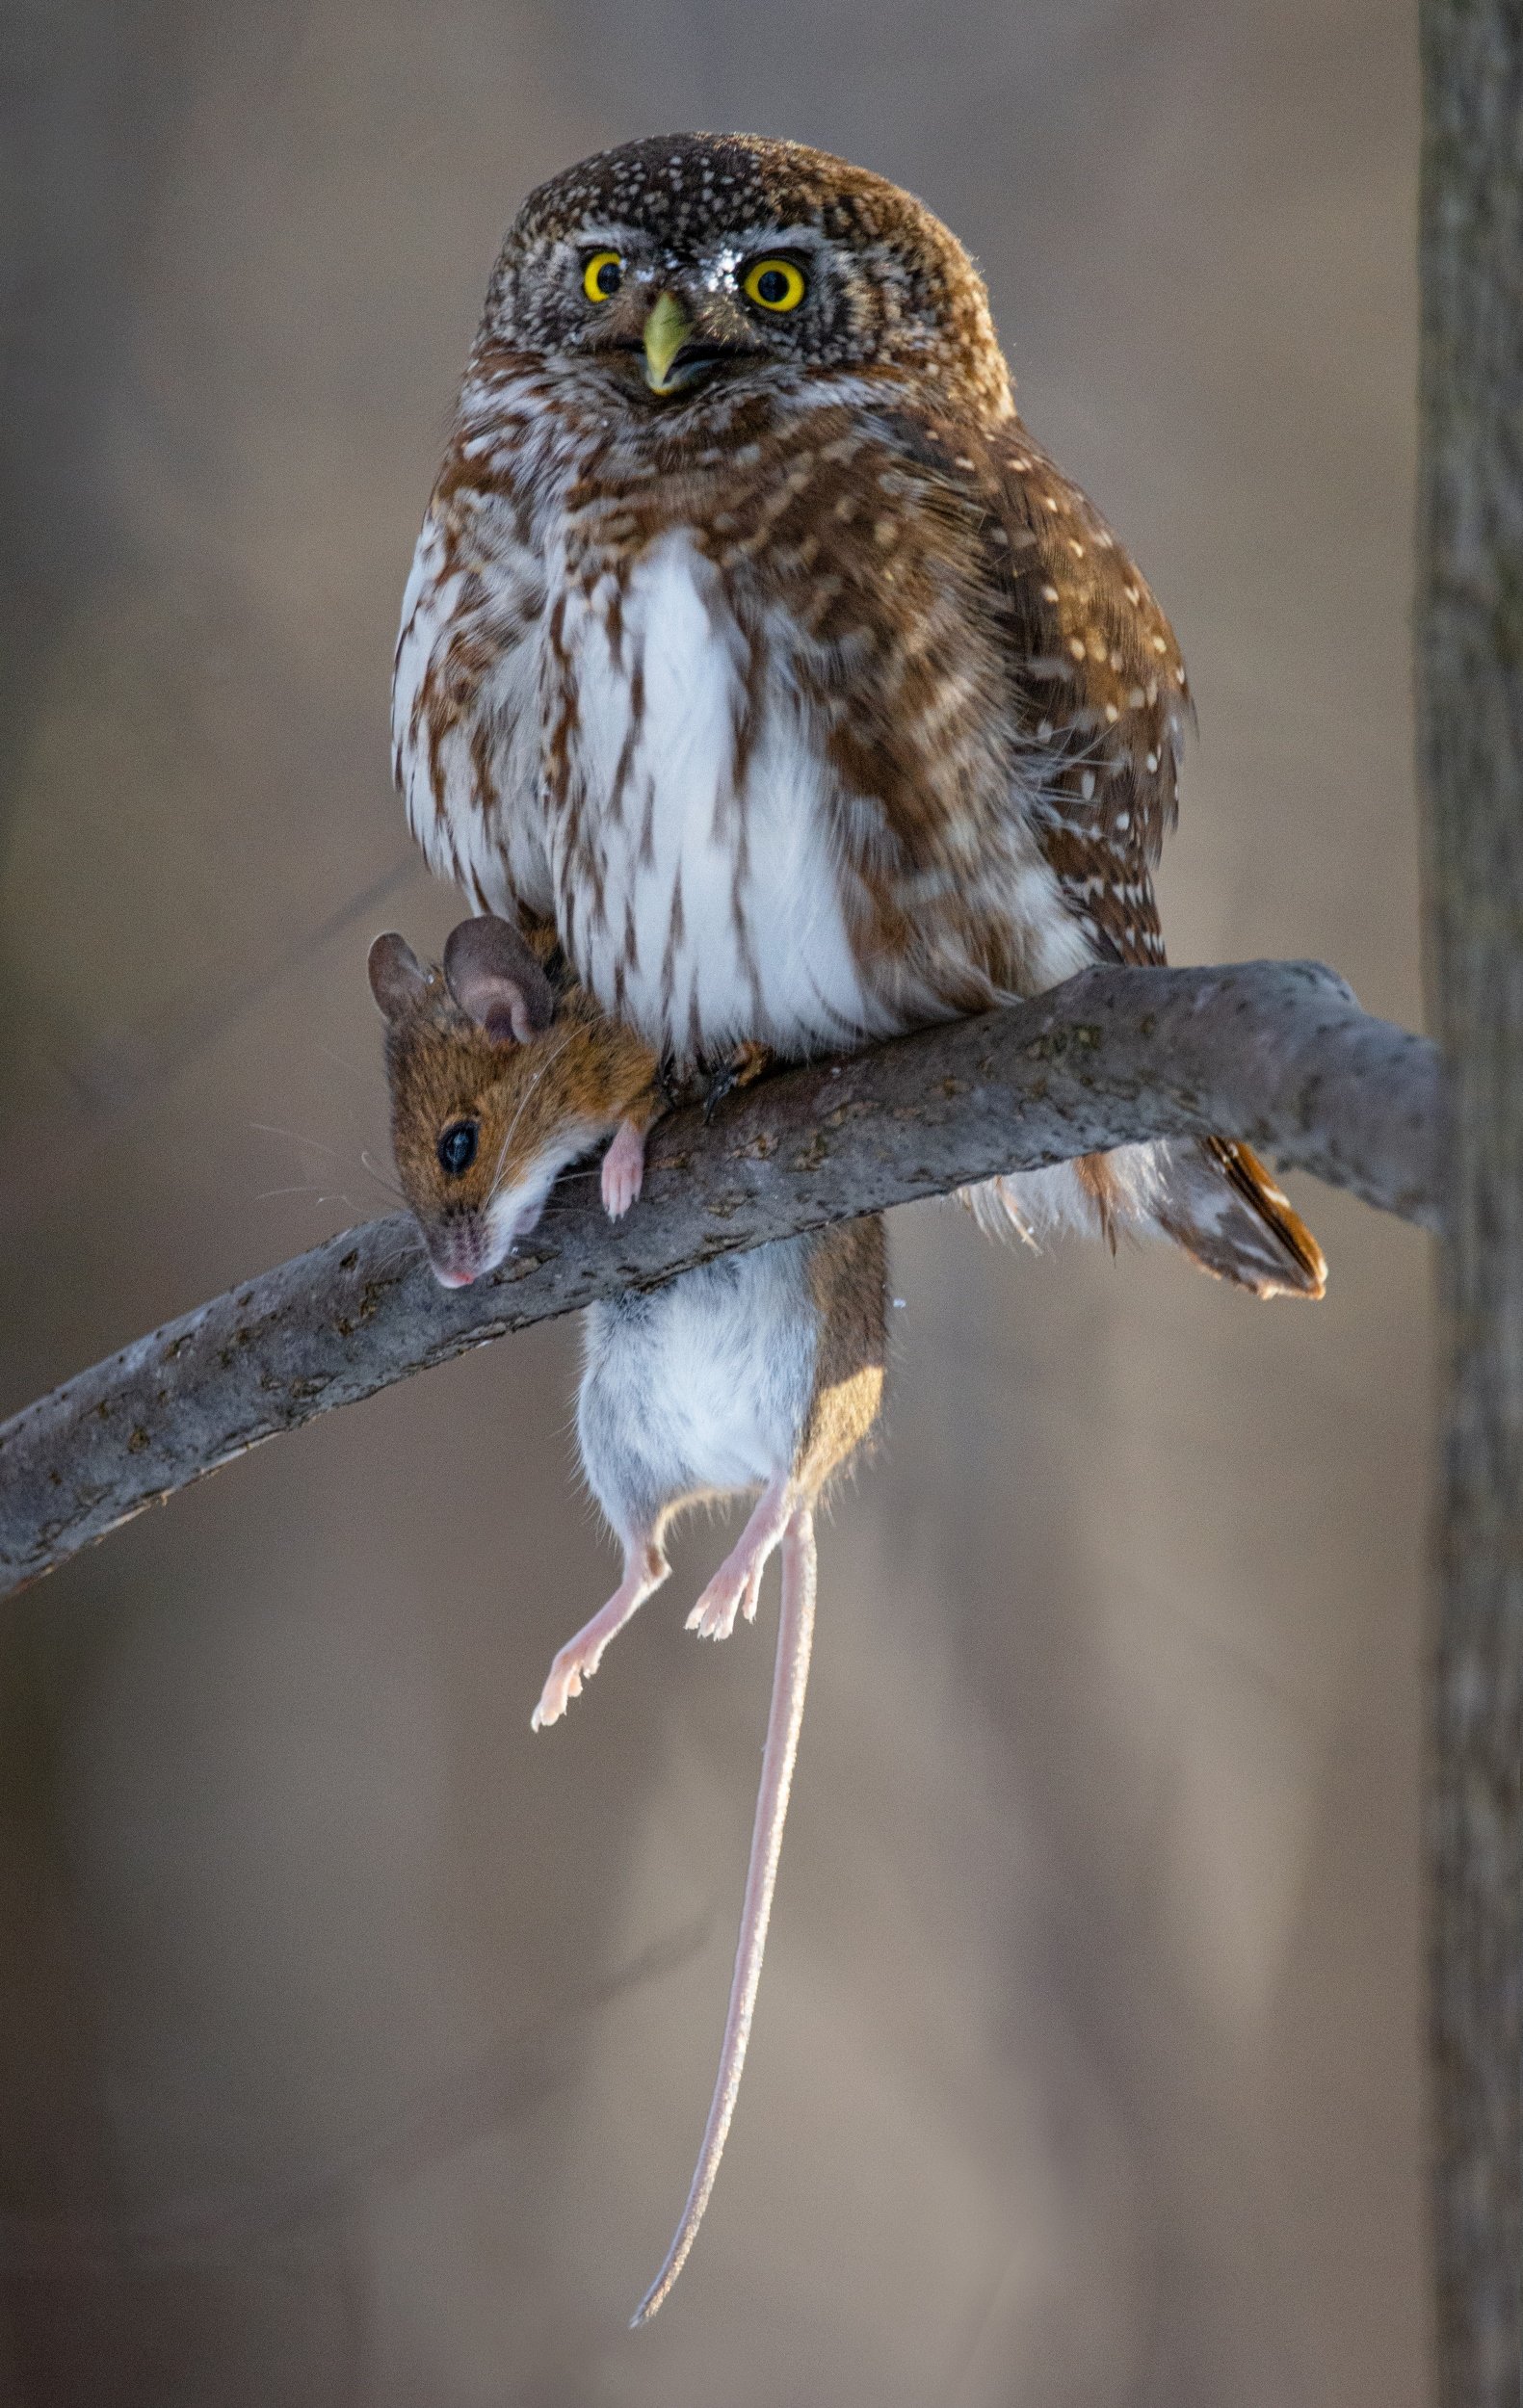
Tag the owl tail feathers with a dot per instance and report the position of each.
(1214, 1198)
(1219, 1202)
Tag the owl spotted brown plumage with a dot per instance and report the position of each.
(753, 640)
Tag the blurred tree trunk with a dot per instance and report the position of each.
(1470, 676)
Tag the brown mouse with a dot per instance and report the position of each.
(498, 1081)
(759, 1371)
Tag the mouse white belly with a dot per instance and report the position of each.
(700, 1386)
(690, 817)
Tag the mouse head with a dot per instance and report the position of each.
(484, 1109)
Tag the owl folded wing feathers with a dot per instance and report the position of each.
(1103, 700)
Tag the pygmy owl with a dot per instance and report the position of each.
(753, 640)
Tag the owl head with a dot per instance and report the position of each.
(691, 265)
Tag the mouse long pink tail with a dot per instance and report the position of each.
(790, 1677)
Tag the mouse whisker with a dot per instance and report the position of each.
(268, 1129)
(381, 1178)
(353, 1068)
(337, 1154)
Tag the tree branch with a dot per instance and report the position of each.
(1276, 1053)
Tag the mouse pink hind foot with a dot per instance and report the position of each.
(645, 1570)
(571, 1668)
(736, 1587)
(624, 1170)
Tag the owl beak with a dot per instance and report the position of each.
(666, 329)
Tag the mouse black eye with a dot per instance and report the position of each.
(457, 1147)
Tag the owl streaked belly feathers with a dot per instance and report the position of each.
(690, 830)
(754, 642)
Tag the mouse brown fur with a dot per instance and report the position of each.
(500, 1073)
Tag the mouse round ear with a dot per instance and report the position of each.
(496, 980)
(398, 978)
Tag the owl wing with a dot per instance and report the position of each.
(1102, 703)
(1100, 696)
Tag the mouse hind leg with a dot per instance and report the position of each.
(635, 1487)
(736, 1585)
(645, 1567)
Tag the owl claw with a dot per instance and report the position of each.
(746, 1064)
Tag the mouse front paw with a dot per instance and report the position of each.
(624, 1170)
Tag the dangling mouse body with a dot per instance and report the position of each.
(760, 1372)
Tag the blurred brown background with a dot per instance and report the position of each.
(353, 2044)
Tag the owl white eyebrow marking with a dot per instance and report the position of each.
(775, 236)
(605, 233)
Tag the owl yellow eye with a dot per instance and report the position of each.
(602, 276)
(774, 284)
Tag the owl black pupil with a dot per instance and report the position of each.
(608, 277)
(771, 285)
(457, 1147)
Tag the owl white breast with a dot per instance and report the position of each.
(690, 827)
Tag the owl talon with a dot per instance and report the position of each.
(747, 1063)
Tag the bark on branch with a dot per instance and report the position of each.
(1276, 1053)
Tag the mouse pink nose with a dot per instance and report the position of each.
(452, 1278)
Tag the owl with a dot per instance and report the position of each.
(753, 640)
